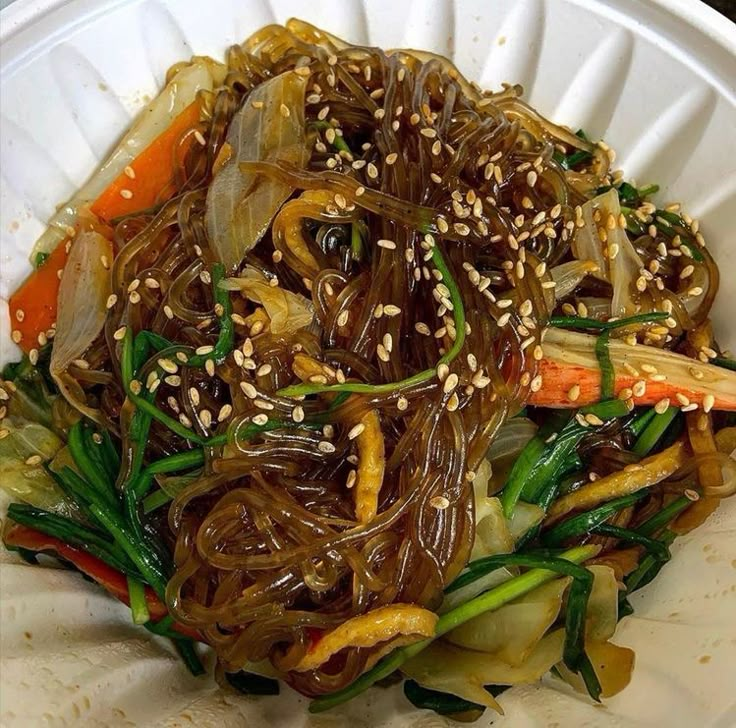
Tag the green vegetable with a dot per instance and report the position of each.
(72, 533)
(608, 376)
(653, 432)
(725, 362)
(249, 683)
(439, 702)
(40, 259)
(585, 522)
(486, 602)
(424, 376)
(89, 466)
(639, 422)
(663, 517)
(578, 322)
(538, 470)
(138, 605)
(655, 548)
(226, 338)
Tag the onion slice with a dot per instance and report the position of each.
(83, 293)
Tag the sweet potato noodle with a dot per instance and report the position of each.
(418, 208)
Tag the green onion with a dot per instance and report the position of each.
(155, 500)
(548, 465)
(724, 362)
(356, 242)
(138, 605)
(71, 533)
(297, 390)
(40, 259)
(90, 467)
(486, 602)
(608, 376)
(639, 422)
(578, 322)
(663, 517)
(655, 548)
(648, 568)
(248, 683)
(188, 653)
(585, 522)
(226, 338)
(439, 702)
(653, 432)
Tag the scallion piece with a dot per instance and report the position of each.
(653, 432)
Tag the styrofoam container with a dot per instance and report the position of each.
(655, 78)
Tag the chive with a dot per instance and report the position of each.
(663, 517)
(439, 702)
(544, 465)
(146, 562)
(585, 522)
(88, 465)
(576, 158)
(648, 191)
(488, 601)
(608, 376)
(648, 568)
(188, 653)
(340, 144)
(724, 362)
(71, 533)
(578, 322)
(144, 342)
(424, 376)
(248, 683)
(155, 500)
(138, 605)
(640, 421)
(653, 432)
(655, 548)
(226, 337)
(675, 220)
(40, 259)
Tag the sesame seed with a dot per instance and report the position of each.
(168, 366)
(173, 380)
(581, 420)
(625, 393)
(442, 371)
(682, 399)
(592, 419)
(33, 357)
(662, 405)
(388, 244)
(422, 328)
(259, 419)
(708, 402)
(439, 502)
(504, 318)
(119, 334)
(326, 447)
(450, 383)
(526, 308)
(402, 403)
(135, 386)
(573, 394)
(208, 349)
(355, 431)
(437, 148)
(126, 194)
(225, 411)
(536, 383)
(33, 460)
(639, 389)
(168, 312)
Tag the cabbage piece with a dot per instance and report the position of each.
(601, 616)
(612, 663)
(268, 127)
(179, 92)
(31, 483)
(461, 672)
(568, 276)
(83, 293)
(513, 631)
(621, 271)
(288, 312)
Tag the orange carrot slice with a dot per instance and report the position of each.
(33, 305)
(571, 376)
(149, 179)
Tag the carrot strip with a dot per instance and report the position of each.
(33, 305)
(150, 177)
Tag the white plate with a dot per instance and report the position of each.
(655, 78)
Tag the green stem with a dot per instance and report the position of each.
(655, 548)
(608, 376)
(138, 605)
(576, 322)
(226, 337)
(663, 517)
(486, 602)
(724, 362)
(297, 390)
(653, 431)
(91, 470)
